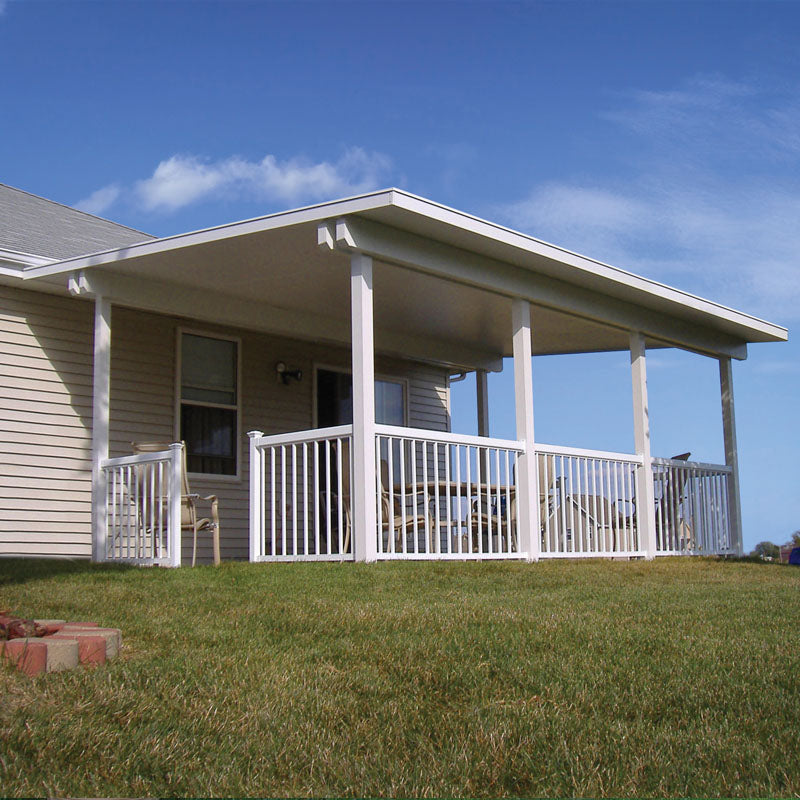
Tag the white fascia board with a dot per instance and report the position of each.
(10, 271)
(586, 264)
(281, 219)
(14, 263)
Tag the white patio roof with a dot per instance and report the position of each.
(443, 284)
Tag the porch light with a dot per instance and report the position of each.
(284, 374)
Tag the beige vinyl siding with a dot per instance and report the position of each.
(46, 406)
(45, 428)
(143, 358)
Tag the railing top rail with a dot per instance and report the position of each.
(423, 434)
(605, 455)
(671, 462)
(313, 435)
(141, 458)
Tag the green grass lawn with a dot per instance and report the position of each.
(669, 678)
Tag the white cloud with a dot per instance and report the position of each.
(99, 201)
(182, 180)
(704, 199)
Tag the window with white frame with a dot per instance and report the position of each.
(209, 402)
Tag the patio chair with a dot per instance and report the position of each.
(485, 522)
(393, 516)
(392, 513)
(670, 517)
(588, 522)
(609, 518)
(190, 519)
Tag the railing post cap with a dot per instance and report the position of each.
(255, 434)
(176, 446)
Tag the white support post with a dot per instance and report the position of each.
(528, 533)
(101, 394)
(645, 501)
(482, 397)
(256, 512)
(731, 453)
(482, 392)
(363, 488)
(175, 492)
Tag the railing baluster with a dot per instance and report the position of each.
(549, 472)
(329, 521)
(316, 498)
(478, 498)
(273, 501)
(487, 488)
(403, 527)
(305, 498)
(391, 535)
(460, 513)
(508, 503)
(283, 500)
(379, 495)
(630, 502)
(340, 517)
(426, 505)
(436, 505)
(447, 481)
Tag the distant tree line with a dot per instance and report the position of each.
(772, 550)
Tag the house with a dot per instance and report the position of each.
(305, 358)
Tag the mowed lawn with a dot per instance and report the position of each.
(670, 678)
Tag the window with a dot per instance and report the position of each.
(209, 403)
(335, 400)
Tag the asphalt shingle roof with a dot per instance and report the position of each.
(40, 227)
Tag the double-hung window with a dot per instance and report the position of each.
(209, 402)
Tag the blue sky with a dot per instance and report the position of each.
(660, 137)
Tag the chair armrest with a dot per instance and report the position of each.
(193, 497)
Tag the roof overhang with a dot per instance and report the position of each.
(444, 281)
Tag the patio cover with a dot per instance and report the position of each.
(443, 285)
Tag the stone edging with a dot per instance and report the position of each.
(64, 646)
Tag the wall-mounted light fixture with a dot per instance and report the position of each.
(284, 374)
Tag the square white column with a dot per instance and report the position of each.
(101, 395)
(528, 525)
(363, 487)
(645, 498)
(482, 397)
(731, 453)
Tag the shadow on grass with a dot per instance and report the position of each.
(21, 570)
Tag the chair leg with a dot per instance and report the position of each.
(215, 541)
(194, 544)
(347, 526)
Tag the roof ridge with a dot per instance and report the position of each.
(76, 210)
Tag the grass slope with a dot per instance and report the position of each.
(675, 677)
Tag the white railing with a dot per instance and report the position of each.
(143, 508)
(691, 501)
(587, 503)
(300, 507)
(442, 495)
(447, 496)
